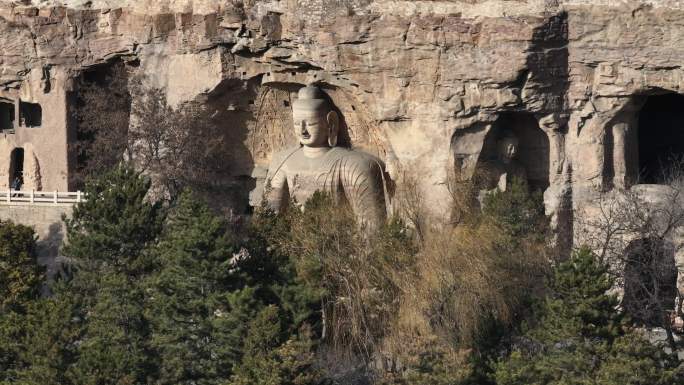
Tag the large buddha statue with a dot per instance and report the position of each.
(318, 164)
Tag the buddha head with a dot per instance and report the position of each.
(316, 124)
(508, 148)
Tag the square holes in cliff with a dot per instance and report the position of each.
(31, 114)
(6, 115)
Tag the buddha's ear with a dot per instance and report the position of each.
(333, 127)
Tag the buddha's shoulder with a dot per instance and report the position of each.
(357, 158)
(282, 155)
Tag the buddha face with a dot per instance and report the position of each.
(311, 127)
(316, 124)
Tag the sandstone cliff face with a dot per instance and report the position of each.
(425, 85)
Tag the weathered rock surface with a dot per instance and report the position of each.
(424, 85)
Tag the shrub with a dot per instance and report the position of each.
(579, 337)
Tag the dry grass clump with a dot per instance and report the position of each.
(472, 282)
(420, 296)
(469, 276)
(359, 272)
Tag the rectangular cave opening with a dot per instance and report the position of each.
(660, 137)
(529, 146)
(16, 169)
(6, 115)
(30, 114)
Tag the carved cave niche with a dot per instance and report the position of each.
(660, 136)
(6, 115)
(16, 166)
(650, 281)
(357, 127)
(30, 114)
(252, 121)
(271, 129)
(533, 145)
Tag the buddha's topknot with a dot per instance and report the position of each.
(311, 98)
(310, 92)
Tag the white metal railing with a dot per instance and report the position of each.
(20, 197)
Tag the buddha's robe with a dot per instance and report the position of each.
(351, 176)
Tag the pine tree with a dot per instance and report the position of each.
(272, 268)
(517, 211)
(108, 236)
(114, 346)
(270, 358)
(93, 330)
(21, 278)
(197, 309)
(20, 274)
(52, 329)
(111, 229)
(581, 337)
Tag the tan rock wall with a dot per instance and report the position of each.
(419, 83)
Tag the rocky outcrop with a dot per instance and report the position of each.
(425, 85)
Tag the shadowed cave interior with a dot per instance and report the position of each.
(6, 115)
(31, 114)
(660, 136)
(533, 145)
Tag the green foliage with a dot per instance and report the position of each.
(272, 269)
(93, 329)
(49, 339)
(271, 360)
(181, 296)
(196, 311)
(148, 299)
(109, 231)
(108, 236)
(113, 347)
(20, 281)
(516, 211)
(580, 337)
(634, 361)
(580, 288)
(20, 274)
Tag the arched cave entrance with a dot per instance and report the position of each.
(660, 136)
(650, 281)
(16, 166)
(533, 145)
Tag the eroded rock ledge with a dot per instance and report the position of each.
(425, 85)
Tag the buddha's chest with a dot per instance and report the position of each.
(306, 177)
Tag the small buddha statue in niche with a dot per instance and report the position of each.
(318, 164)
(499, 173)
